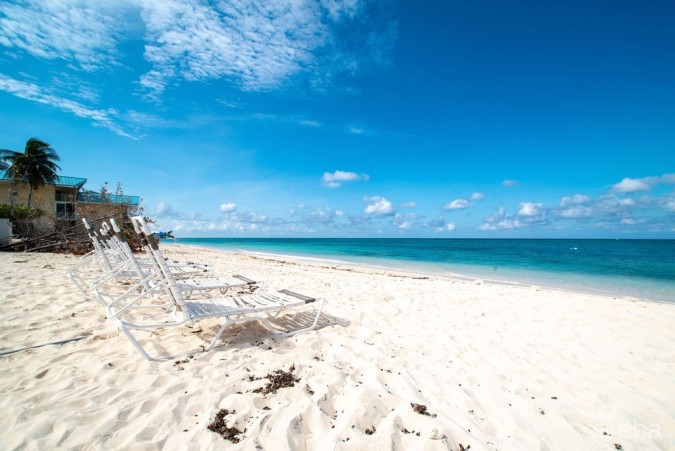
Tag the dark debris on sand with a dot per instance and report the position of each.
(421, 409)
(219, 426)
(278, 379)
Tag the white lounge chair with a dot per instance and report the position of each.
(146, 278)
(88, 269)
(234, 309)
(116, 241)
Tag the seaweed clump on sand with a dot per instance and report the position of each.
(278, 379)
(219, 426)
(422, 409)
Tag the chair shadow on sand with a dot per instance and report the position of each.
(240, 336)
(253, 333)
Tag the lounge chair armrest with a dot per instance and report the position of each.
(307, 299)
(245, 279)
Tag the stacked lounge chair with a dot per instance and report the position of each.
(154, 293)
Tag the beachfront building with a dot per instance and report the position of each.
(65, 199)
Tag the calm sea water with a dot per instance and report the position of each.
(641, 268)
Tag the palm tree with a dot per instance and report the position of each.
(35, 166)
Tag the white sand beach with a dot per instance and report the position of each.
(496, 366)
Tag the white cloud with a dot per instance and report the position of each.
(335, 179)
(379, 206)
(338, 9)
(630, 185)
(530, 209)
(321, 216)
(228, 207)
(410, 204)
(259, 45)
(509, 183)
(528, 214)
(164, 210)
(316, 217)
(256, 45)
(74, 30)
(576, 212)
(33, 92)
(500, 220)
(457, 204)
(439, 224)
(670, 205)
(449, 227)
(574, 200)
(504, 224)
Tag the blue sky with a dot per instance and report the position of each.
(354, 118)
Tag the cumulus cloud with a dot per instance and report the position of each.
(228, 207)
(410, 204)
(304, 217)
(630, 185)
(509, 183)
(439, 224)
(322, 216)
(530, 209)
(378, 206)
(528, 214)
(574, 200)
(449, 227)
(404, 221)
(335, 179)
(501, 221)
(164, 210)
(615, 210)
(576, 212)
(457, 204)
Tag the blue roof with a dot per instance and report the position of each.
(75, 182)
(85, 196)
(61, 180)
(94, 197)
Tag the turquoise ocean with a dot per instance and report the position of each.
(639, 268)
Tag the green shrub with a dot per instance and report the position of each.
(19, 212)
